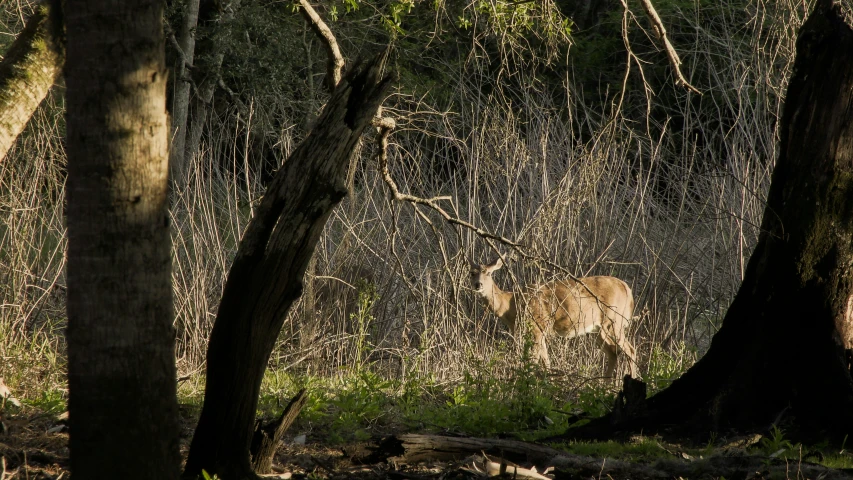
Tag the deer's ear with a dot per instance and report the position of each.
(495, 266)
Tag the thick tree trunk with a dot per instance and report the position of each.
(121, 362)
(181, 100)
(266, 276)
(27, 72)
(781, 350)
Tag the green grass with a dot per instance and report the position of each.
(643, 450)
(360, 402)
(34, 368)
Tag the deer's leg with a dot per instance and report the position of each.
(609, 350)
(540, 348)
(626, 346)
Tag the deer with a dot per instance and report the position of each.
(569, 308)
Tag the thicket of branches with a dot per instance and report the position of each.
(541, 138)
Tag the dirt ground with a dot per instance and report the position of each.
(35, 447)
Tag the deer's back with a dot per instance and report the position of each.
(573, 309)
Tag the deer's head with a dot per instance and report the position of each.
(481, 277)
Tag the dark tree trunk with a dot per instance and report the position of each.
(122, 404)
(214, 27)
(781, 352)
(28, 70)
(266, 276)
(181, 99)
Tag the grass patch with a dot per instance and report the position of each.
(643, 450)
(361, 402)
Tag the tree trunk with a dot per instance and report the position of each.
(181, 100)
(214, 25)
(782, 349)
(28, 70)
(266, 276)
(123, 410)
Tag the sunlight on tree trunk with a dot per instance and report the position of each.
(121, 358)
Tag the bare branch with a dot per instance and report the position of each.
(386, 125)
(335, 63)
(674, 60)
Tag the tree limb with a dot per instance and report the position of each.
(386, 125)
(674, 60)
(28, 69)
(335, 63)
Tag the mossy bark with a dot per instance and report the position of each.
(783, 347)
(28, 70)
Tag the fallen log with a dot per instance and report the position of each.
(412, 448)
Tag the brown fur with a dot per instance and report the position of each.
(602, 305)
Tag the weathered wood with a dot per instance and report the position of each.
(266, 276)
(410, 449)
(413, 448)
(631, 401)
(267, 436)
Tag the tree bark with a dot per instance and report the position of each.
(266, 437)
(214, 25)
(123, 409)
(181, 100)
(782, 349)
(266, 276)
(30, 67)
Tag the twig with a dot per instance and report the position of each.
(335, 65)
(386, 125)
(670, 50)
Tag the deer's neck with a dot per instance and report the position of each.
(503, 305)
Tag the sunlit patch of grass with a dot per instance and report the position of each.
(360, 401)
(835, 460)
(664, 367)
(642, 450)
(34, 368)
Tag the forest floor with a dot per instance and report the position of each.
(364, 424)
(34, 445)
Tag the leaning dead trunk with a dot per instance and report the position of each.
(266, 276)
(782, 350)
(29, 68)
